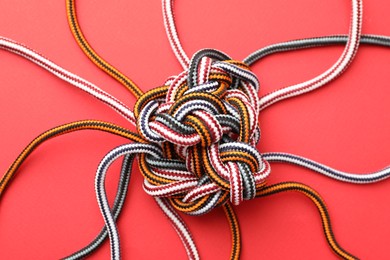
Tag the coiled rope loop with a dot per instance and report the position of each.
(205, 120)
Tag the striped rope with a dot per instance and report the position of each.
(317, 200)
(350, 40)
(358, 178)
(119, 201)
(100, 62)
(93, 56)
(109, 219)
(292, 45)
(154, 152)
(60, 130)
(212, 133)
(333, 72)
(170, 29)
(202, 131)
(27, 53)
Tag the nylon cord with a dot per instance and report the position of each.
(93, 56)
(124, 180)
(87, 49)
(60, 130)
(342, 254)
(336, 70)
(35, 57)
(151, 135)
(319, 203)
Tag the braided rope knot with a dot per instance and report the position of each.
(205, 123)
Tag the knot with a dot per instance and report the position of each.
(205, 122)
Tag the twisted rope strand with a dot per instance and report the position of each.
(60, 130)
(320, 204)
(369, 39)
(170, 29)
(180, 227)
(92, 55)
(305, 43)
(77, 81)
(328, 171)
(234, 168)
(336, 70)
(256, 56)
(135, 148)
(235, 227)
(76, 31)
(333, 72)
(25, 52)
(120, 197)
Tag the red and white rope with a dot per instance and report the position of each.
(170, 28)
(32, 55)
(333, 72)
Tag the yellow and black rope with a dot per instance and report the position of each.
(93, 56)
(60, 130)
(320, 204)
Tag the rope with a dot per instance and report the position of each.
(93, 56)
(120, 197)
(198, 133)
(293, 45)
(60, 130)
(333, 72)
(358, 178)
(178, 224)
(35, 57)
(90, 88)
(317, 200)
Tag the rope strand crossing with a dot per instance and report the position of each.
(205, 131)
(333, 72)
(93, 56)
(178, 224)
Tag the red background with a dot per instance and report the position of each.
(50, 209)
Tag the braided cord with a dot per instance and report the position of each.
(60, 130)
(333, 72)
(170, 29)
(256, 56)
(120, 197)
(87, 49)
(92, 55)
(293, 45)
(180, 227)
(328, 171)
(73, 127)
(135, 148)
(235, 228)
(336, 70)
(320, 204)
(35, 57)
(109, 69)
(202, 123)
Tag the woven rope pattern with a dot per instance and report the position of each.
(205, 119)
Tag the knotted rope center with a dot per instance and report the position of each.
(204, 124)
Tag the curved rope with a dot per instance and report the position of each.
(333, 72)
(320, 204)
(92, 55)
(60, 130)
